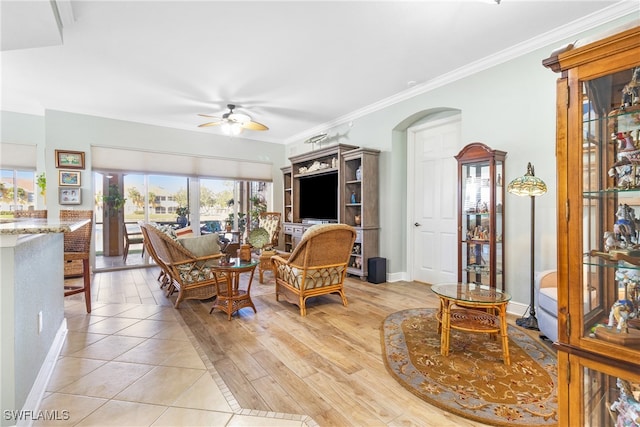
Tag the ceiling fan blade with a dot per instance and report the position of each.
(209, 115)
(204, 125)
(254, 126)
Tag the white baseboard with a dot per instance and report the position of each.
(397, 277)
(34, 399)
(516, 308)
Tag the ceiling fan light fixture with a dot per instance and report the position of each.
(239, 118)
(234, 123)
(231, 128)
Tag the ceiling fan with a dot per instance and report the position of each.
(233, 123)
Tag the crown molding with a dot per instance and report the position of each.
(604, 16)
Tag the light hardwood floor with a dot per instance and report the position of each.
(327, 365)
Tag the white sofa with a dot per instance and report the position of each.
(546, 285)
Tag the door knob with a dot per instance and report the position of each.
(417, 224)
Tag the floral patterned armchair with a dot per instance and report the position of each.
(317, 265)
(271, 221)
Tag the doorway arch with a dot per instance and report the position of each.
(403, 179)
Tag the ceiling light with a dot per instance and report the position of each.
(231, 128)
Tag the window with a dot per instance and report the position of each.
(18, 190)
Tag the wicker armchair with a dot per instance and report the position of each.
(271, 221)
(30, 214)
(164, 277)
(318, 264)
(190, 275)
(77, 248)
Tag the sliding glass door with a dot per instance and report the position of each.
(214, 205)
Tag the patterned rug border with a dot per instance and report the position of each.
(516, 336)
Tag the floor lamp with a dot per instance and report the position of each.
(529, 185)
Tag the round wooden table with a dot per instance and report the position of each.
(472, 308)
(229, 297)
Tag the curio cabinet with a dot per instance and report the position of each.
(481, 215)
(598, 167)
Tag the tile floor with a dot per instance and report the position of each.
(138, 365)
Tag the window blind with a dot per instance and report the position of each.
(18, 156)
(118, 159)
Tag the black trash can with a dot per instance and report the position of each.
(377, 270)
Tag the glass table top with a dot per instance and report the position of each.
(470, 292)
(236, 263)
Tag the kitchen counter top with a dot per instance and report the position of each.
(17, 226)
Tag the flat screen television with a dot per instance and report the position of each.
(319, 197)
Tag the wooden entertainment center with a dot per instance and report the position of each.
(334, 184)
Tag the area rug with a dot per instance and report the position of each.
(472, 382)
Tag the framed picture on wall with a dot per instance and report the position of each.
(70, 159)
(70, 196)
(69, 178)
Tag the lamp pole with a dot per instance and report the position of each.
(529, 185)
(531, 322)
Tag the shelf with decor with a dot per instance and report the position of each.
(360, 205)
(481, 215)
(598, 132)
(287, 211)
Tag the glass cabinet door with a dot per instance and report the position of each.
(611, 204)
(481, 224)
(607, 303)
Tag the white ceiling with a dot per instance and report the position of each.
(296, 66)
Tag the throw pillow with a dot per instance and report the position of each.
(200, 246)
(184, 232)
(166, 229)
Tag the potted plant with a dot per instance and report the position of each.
(228, 223)
(41, 181)
(114, 200)
(258, 205)
(182, 212)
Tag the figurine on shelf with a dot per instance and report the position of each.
(611, 242)
(625, 142)
(357, 263)
(622, 172)
(482, 207)
(627, 407)
(624, 227)
(631, 91)
(353, 197)
(621, 311)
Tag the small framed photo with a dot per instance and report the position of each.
(69, 178)
(70, 159)
(70, 196)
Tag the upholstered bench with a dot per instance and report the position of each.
(546, 283)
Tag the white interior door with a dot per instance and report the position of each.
(432, 185)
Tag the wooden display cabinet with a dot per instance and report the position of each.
(360, 207)
(481, 215)
(355, 189)
(287, 211)
(598, 154)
